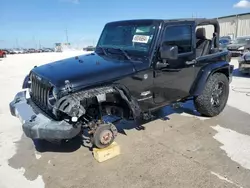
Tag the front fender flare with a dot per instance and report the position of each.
(71, 105)
(205, 72)
(26, 82)
(130, 100)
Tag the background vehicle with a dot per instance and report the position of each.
(11, 51)
(239, 45)
(138, 66)
(46, 50)
(2, 53)
(224, 42)
(226, 37)
(6, 51)
(31, 50)
(18, 51)
(58, 49)
(89, 48)
(244, 63)
(39, 50)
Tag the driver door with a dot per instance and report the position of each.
(174, 80)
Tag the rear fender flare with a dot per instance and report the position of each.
(204, 73)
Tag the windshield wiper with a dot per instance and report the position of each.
(103, 50)
(126, 55)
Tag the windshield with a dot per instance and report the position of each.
(241, 41)
(128, 36)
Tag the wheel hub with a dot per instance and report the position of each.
(106, 137)
(217, 94)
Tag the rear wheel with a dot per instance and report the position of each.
(214, 97)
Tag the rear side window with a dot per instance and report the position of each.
(180, 36)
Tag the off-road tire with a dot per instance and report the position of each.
(95, 138)
(203, 102)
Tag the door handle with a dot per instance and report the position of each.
(190, 62)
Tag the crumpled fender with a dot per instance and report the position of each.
(131, 101)
(71, 105)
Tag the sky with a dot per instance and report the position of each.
(35, 23)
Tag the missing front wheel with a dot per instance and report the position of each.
(104, 135)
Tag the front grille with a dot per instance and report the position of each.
(39, 92)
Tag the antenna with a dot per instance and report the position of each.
(66, 32)
(17, 43)
(34, 40)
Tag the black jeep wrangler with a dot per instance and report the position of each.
(138, 66)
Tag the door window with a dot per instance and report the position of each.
(180, 36)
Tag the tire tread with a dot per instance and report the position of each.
(203, 102)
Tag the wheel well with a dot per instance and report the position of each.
(199, 84)
(116, 100)
(223, 71)
(112, 100)
(92, 102)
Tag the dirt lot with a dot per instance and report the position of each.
(182, 150)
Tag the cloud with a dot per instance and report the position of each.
(71, 1)
(242, 4)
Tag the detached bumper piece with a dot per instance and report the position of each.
(37, 125)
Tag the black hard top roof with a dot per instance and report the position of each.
(198, 21)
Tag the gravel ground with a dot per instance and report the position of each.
(183, 150)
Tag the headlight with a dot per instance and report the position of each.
(241, 48)
(52, 96)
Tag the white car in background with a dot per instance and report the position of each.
(18, 51)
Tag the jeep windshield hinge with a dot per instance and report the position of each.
(68, 86)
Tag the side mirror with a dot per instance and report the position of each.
(168, 51)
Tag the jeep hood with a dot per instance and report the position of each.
(85, 70)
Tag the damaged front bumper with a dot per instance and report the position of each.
(37, 125)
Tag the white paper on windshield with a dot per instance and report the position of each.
(140, 38)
